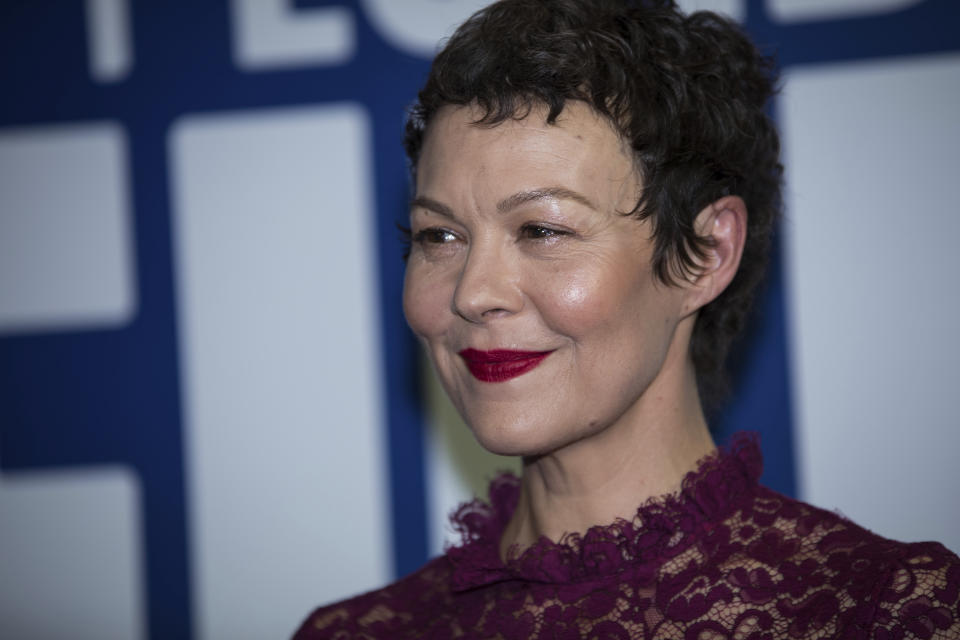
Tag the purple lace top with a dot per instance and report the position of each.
(723, 558)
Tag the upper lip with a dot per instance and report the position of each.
(499, 355)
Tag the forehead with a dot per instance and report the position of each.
(581, 151)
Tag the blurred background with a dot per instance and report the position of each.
(212, 415)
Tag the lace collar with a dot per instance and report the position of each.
(663, 527)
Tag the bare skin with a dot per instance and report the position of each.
(519, 244)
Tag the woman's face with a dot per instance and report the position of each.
(533, 295)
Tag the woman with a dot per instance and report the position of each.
(594, 191)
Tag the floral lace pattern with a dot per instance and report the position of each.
(725, 558)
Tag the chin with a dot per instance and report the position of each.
(505, 440)
(517, 439)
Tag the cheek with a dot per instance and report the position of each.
(582, 301)
(613, 312)
(424, 302)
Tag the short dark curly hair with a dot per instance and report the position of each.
(687, 93)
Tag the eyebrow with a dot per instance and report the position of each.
(547, 193)
(432, 205)
(510, 202)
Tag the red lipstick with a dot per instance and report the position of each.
(501, 365)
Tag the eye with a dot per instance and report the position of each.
(540, 232)
(434, 235)
(437, 243)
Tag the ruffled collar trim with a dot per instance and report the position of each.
(661, 529)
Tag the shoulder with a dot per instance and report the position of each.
(389, 612)
(922, 596)
(869, 585)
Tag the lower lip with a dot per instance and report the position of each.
(500, 366)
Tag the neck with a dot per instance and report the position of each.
(597, 480)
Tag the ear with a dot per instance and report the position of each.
(725, 223)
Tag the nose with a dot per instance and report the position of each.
(489, 285)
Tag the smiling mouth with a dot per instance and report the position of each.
(501, 365)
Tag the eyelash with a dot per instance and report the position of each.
(432, 240)
(540, 232)
(429, 235)
(527, 231)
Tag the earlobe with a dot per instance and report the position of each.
(725, 223)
